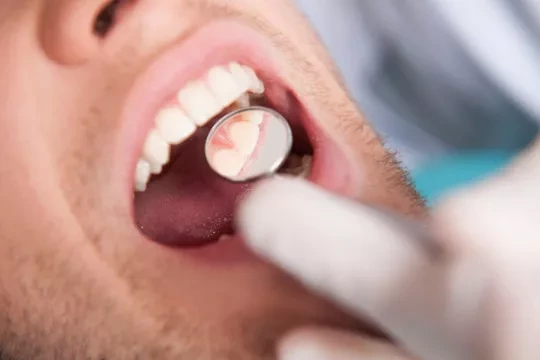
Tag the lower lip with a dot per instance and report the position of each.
(230, 250)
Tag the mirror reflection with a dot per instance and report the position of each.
(248, 143)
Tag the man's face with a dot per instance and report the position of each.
(84, 271)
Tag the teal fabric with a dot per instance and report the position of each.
(438, 177)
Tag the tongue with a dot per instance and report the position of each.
(189, 204)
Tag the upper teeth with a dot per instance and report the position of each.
(196, 104)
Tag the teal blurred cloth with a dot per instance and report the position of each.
(440, 176)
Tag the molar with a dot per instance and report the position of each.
(256, 86)
(240, 75)
(297, 165)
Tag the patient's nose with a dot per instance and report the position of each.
(70, 30)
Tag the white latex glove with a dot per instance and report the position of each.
(480, 300)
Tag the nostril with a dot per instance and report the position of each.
(106, 18)
(70, 32)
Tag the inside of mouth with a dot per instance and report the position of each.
(189, 204)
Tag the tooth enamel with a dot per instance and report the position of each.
(254, 117)
(140, 187)
(142, 175)
(299, 166)
(245, 136)
(198, 102)
(155, 169)
(243, 101)
(307, 163)
(225, 237)
(156, 150)
(255, 84)
(228, 162)
(173, 126)
(224, 86)
(240, 75)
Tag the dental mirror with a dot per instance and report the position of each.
(248, 144)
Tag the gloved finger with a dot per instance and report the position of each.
(362, 261)
(328, 344)
(328, 241)
(497, 220)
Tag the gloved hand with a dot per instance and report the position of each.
(477, 299)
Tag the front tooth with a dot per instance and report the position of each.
(224, 86)
(198, 102)
(255, 85)
(228, 162)
(245, 136)
(173, 126)
(156, 150)
(142, 175)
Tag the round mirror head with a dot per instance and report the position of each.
(248, 144)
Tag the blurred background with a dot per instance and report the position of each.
(453, 86)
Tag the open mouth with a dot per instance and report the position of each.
(173, 170)
(179, 200)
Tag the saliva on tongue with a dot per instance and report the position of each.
(188, 204)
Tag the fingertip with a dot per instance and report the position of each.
(269, 207)
(494, 220)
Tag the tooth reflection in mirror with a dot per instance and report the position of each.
(249, 143)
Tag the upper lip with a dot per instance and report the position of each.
(216, 44)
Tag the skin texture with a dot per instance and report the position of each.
(77, 280)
